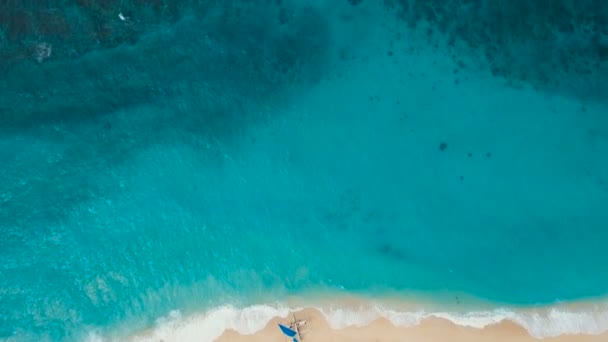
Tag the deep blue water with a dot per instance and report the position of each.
(222, 157)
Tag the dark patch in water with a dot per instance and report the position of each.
(555, 46)
(391, 252)
(241, 49)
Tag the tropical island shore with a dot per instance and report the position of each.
(317, 329)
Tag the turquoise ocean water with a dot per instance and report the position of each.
(211, 154)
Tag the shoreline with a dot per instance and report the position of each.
(347, 317)
(317, 329)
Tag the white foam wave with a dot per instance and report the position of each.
(212, 324)
(539, 323)
(94, 337)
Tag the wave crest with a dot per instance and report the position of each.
(212, 324)
(540, 323)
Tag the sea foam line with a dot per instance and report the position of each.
(540, 323)
(543, 323)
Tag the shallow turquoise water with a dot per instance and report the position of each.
(174, 173)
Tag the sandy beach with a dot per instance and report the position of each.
(316, 329)
(397, 170)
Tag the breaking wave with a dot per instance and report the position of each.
(540, 323)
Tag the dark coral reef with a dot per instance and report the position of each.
(555, 45)
(72, 59)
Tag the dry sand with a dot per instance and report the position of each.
(430, 330)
